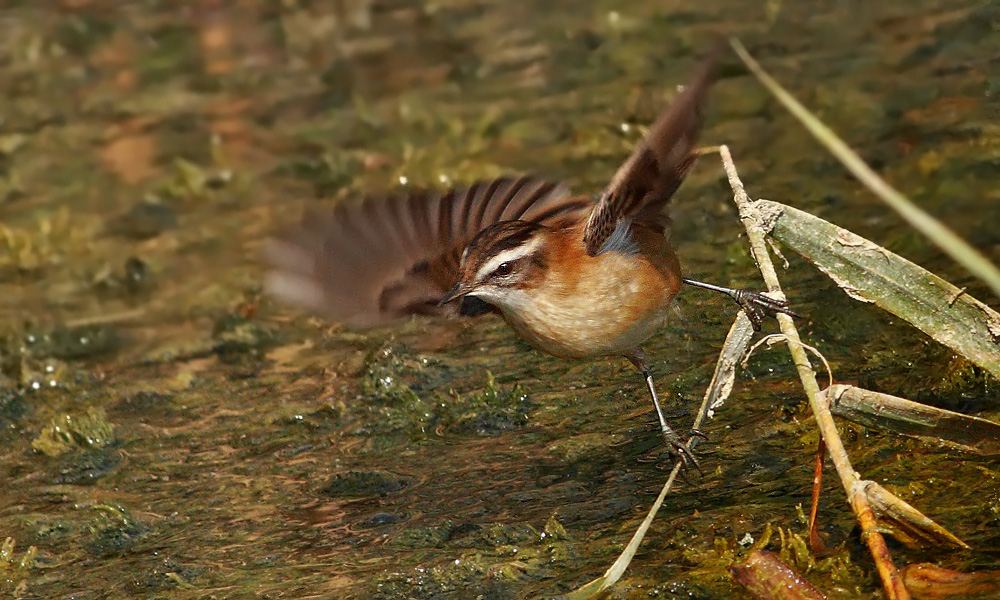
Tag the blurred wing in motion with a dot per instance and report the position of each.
(385, 258)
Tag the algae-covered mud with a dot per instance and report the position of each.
(167, 432)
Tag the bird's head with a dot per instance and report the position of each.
(502, 264)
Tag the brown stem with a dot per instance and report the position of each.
(815, 542)
(891, 581)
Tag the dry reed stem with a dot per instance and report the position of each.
(891, 580)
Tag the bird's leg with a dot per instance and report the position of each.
(675, 445)
(755, 304)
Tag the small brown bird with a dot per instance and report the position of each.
(574, 276)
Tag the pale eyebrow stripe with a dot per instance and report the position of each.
(508, 255)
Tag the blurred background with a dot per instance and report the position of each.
(166, 432)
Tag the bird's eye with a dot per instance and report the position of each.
(503, 270)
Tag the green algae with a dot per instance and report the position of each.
(237, 335)
(232, 416)
(66, 433)
(30, 251)
(86, 468)
(358, 484)
(399, 385)
(489, 559)
(13, 408)
(494, 409)
(113, 531)
(14, 570)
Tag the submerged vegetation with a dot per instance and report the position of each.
(166, 431)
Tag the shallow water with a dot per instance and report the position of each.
(222, 446)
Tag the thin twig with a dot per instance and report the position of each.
(105, 319)
(735, 347)
(891, 580)
(942, 236)
(775, 338)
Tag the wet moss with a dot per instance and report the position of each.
(497, 535)
(710, 552)
(13, 409)
(114, 531)
(391, 380)
(86, 468)
(496, 555)
(71, 432)
(50, 530)
(359, 484)
(494, 410)
(14, 569)
(28, 252)
(168, 574)
(237, 335)
(37, 374)
(406, 394)
(391, 372)
(458, 576)
(422, 537)
(327, 172)
(73, 342)
(146, 219)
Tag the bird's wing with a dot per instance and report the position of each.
(643, 185)
(384, 258)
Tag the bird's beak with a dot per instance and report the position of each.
(460, 289)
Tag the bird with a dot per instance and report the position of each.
(575, 276)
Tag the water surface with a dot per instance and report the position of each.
(222, 446)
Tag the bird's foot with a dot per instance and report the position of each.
(680, 451)
(758, 305)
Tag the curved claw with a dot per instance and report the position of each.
(681, 452)
(699, 433)
(758, 306)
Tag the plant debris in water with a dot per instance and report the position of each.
(184, 138)
(71, 432)
(14, 570)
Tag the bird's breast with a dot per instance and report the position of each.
(608, 304)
